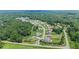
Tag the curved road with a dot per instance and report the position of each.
(57, 47)
(65, 34)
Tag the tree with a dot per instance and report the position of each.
(77, 37)
(15, 37)
(24, 29)
(57, 30)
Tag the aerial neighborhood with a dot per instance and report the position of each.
(43, 29)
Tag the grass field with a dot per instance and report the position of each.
(17, 46)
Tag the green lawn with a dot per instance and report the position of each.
(17, 46)
(45, 43)
(56, 39)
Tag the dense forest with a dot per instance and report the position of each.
(12, 29)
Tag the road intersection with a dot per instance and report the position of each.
(43, 26)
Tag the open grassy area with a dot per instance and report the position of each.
(46, 44)
(56, 39)
(17, 46)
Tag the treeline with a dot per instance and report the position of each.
(53, 18)
(73, 33)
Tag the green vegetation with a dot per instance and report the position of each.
(15, 30)
(57, 39)
(1, 44)
(17, 46)
(68, 20)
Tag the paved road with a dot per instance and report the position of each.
(60, 47)
(66, 39)
(55, 47)
(35, 23)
